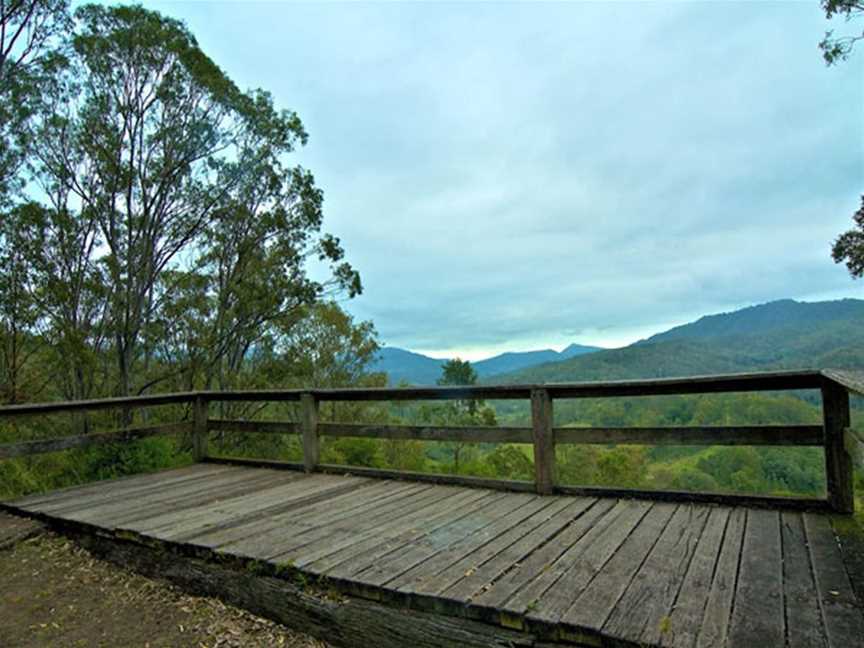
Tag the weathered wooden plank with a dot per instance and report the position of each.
(544, 441)
(252, 537)
(757, 612)
(685, 615)
(746, 435)
(192, 497)
(850, 379)
(346, 532)
(474, 582)
(258, 427)
(332, 533)
(838, 463)
(415, 547)
(121, 487)
(596, 602)
(842, 613)
(640, 613)
(241, 509)
(414, 578)
(552, 593)
(256, 463)
(803, 617)
(714, 629)
(309, 423)
(541, 561)
(271, 498)
(126, 497)
(773, 502)
(41, 446)
(473, 434)
(454, 480)
(354, 555)
(483, 558)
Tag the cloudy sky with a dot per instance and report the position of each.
(515, 176)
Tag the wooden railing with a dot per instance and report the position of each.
(839, 442)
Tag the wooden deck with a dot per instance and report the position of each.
(594, 571)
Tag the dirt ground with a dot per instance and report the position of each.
(53, 593)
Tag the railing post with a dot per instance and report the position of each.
(544, 442)
(200, 413)
(838, 463)
(309, 423)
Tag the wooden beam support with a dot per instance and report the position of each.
(544, 441)
(749, 435)
(41, 446)
(309, 418)
(258, 427)
(854, 441)
(475, 434)
(200, 411)
(838, 463)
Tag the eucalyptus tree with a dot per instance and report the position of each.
(18, 313)
(182, 176)
(248, 283)
(32, 34)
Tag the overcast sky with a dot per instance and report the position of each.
(516, 176)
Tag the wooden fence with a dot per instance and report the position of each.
(834, 435)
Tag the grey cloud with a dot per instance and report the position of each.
(509, 174)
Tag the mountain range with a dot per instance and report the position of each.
(415, 368)
(784, 334)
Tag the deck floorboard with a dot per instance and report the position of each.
(602, 570)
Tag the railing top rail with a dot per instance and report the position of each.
(741, 382)
(59, 407)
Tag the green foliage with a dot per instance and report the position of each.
(849, 246)
(457, 372)
(839, 48)
(31, 49)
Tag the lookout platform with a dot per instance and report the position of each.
(366, 557)
(592, 571)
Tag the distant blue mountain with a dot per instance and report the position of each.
(407, 366)
(417, 369)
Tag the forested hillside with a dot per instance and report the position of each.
(778, 335)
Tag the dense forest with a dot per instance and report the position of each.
(155, 236)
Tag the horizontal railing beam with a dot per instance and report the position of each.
(754, 435)
(749, 435)
(255, 395)
(765, 381)
(42, 446)
(475, 434)
(38, 409)
(264, 427)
